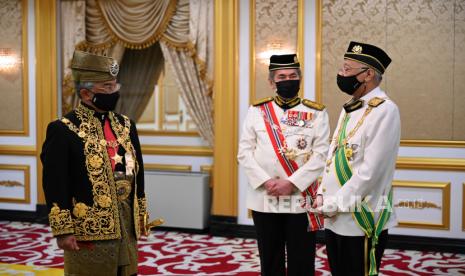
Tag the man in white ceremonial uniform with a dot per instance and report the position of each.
(356, 192)
(283, 150)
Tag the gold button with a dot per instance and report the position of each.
(324, 190)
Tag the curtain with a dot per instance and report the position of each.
(176, 34)
(139, 71)
(201, 35)
(98, 39)
(193, 90)
(134, 23)
(184, 29)
(190, 60)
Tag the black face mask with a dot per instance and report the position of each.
(349, 84)
(105, 102)
(288, 89)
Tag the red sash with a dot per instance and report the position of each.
(279, 145)
(110, 137)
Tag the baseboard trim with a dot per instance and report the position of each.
(38, 216)
(182, 230)
(228, 227)
(450, 245)
(225, 226)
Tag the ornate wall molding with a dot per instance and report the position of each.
(25, 170)
(444, 206)
(176, 150)
(168, 167)
(427, 163)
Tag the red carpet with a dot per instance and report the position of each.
(173, 253)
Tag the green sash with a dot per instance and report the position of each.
(363, 216)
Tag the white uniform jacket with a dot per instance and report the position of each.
(259, 160)
(375, 146)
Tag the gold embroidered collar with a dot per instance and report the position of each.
(286, 103)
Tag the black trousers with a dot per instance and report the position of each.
(277, 233)
(346, 254)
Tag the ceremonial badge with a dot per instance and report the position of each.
(114, 69)
(123, 189)
(129, 163)
(117, 158)
(350, 151)
(301, 143)
(357, 49)
(298, 118)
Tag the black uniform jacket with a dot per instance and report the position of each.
(78, 181)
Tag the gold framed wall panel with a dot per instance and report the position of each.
(432, 143)
(320, 6)
(299, 47)
(18, 150)
(27, 183)
(422, 163)
(444, 187)
(25, 76)
(167, 167)
(146, 132)
(176, 150)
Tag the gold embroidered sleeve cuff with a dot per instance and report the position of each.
(142, 206)
(61, 221)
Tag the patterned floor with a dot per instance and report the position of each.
(173, 253)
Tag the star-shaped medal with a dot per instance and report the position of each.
(117, 158)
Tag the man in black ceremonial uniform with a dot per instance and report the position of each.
(93, 176)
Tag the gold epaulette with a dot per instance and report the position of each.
(262, 101)
(313, 104)
(376, 101)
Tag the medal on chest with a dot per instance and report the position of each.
(301, 143)
(297, 118)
